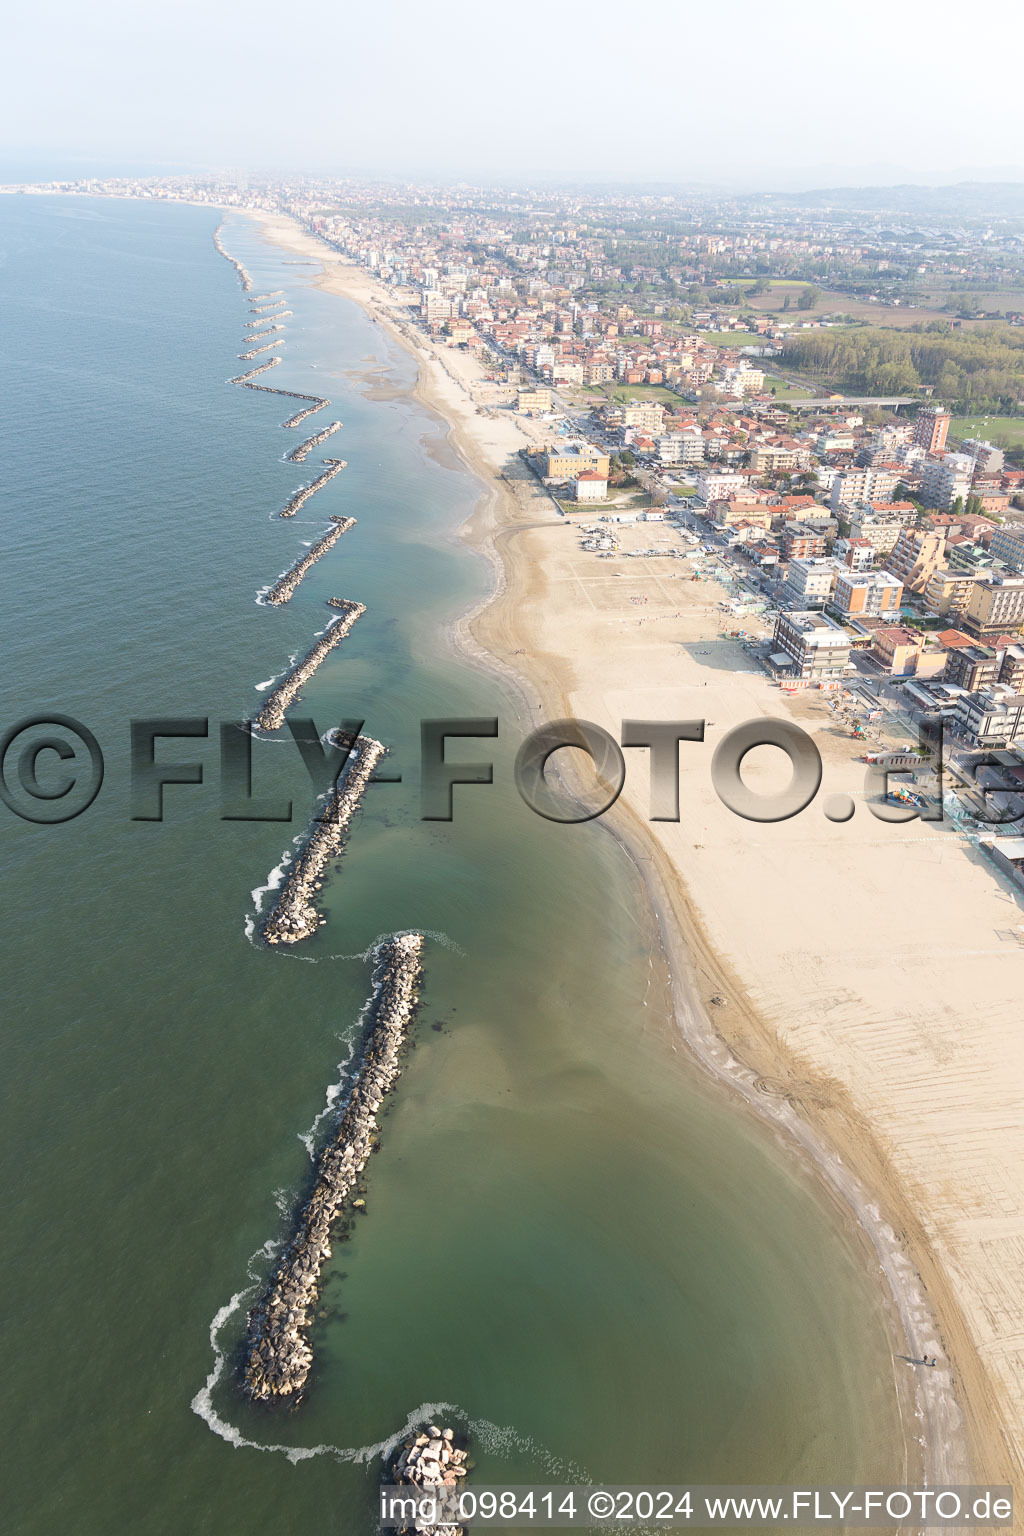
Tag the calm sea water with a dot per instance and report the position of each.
(601, 1266)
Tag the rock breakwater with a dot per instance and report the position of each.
(431, 1466)
(261, 309)
(278, 1354)
(271, 716)
(302, 495)
(243, 276)
(264, 298)
(255, 351)
(255, 372)
(300, 416)
(285, 585)
(298, 454)
(294, 916)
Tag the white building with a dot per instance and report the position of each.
(809, 583)
(943, 480)
(719, 487)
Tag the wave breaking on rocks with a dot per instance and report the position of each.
(285, 585)
(278, 1354)
(271, 716)
(294, 916)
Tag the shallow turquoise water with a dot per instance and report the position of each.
(601, 1264)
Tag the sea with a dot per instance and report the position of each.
(576, 1250)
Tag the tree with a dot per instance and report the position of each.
(808, 297)
(957, 506)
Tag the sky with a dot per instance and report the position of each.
(783, 96)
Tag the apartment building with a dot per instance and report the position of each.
(854, 486)
(972, 666)
(856, 554)
(769, 458)
(681, 448)
(872, 594)
(943, 480)
(931, 427)
(648, 415)
(947, 591)
(533, 401)
(713, 486)
(810, 647)
(799, 542)
(880, 533)
(1007, 545)
(995, 607)
(916, 556)
(991, 717)
(896, 649)
(808, 583)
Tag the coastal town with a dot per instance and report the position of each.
(738, 462)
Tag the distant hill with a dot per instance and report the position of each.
(967, 199)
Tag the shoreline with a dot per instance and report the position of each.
(742, 1053)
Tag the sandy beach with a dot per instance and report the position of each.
(869, 973)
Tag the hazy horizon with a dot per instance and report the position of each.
(555, 93)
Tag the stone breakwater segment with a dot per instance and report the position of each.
(254, 372)
(298, 454)
(294, 916)
(261, 309)
(264, 298)
(278, 1355)
(271, 716)
(300, 416)
(431, 1465)
(243, 276)
(302, 495)
(255, 351)
(258, 336)
(283, 588)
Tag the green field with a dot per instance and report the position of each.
(623, 392)
(729, 338)
(1010, 428)
(784, 391)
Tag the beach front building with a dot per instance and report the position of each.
(809, 583)
(809, 647)
(568, 460)
(590, 486)
(530, 402)
(875, 594)
(897, 650)
(995, 607)
(991, 717)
